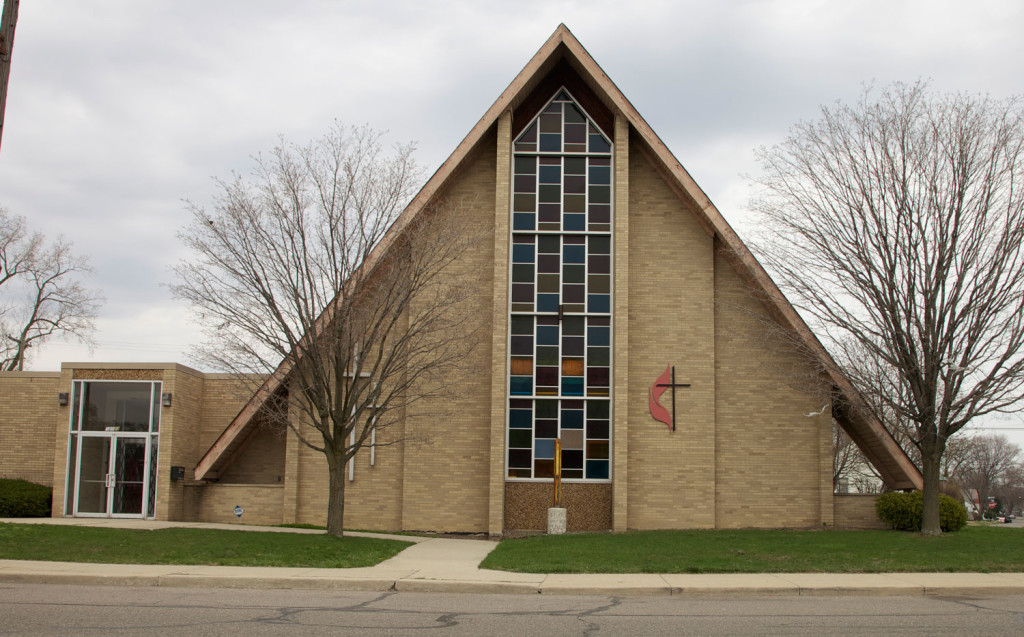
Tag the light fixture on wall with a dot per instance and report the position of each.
(62, 399)
(165, 400)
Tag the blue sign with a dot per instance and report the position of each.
(239, 511)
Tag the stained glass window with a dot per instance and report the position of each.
(560, 327)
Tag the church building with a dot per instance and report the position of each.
(622, 316)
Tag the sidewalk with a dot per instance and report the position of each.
(450, 566)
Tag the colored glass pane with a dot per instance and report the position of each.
(597, 469)
(572, 438)
(544, 469)
(522, 273)
(526, 165)
(546, 428)
(523, 221)
(520, 457)
(562, 351)
(522, 253)
(599, 303)
(520, 418)
(522, 366)
(547, 302)
(597, 429)
(550, 174)
(521, 438)
(521, 385)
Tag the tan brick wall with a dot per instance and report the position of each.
(499, 332)
(29, 421)
(216, 503)
(856, 511)
(671, 322)
(60, 448)
(620, 326)
(223, 397)
(178, 431)
(771, 457)
(262, 459)
(446, 481)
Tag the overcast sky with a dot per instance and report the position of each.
(118, 110)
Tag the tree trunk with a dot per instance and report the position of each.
(336, 496)
(930, 461)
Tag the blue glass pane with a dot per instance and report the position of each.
(547, 302)
(550, 174)
(598, 144)
(520, 418)
(574, 222)
(598, 335)
(522, 385)
(598, 303)
(572, 386)
(597, 469)
(523, 221)
(544, 448)
(547, 335)
(552, 142)
(600, 174)
(572, 419)
(522, 253)
(574, 254)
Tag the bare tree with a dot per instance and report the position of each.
(849, 466)
(895, 226)
(1011, 490)
(8, 21)
(309, 262)
(988, 461)
(41, 292)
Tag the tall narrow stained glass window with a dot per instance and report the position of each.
(560, 327)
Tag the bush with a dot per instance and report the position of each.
(905, 511)
(24, 499)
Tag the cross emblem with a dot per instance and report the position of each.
(665, 381)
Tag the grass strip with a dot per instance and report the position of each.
(191, 546)
(974, 549)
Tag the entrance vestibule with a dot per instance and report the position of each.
(113, 442)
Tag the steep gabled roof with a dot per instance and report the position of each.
(562, 47)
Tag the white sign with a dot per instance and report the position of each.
(239, 511)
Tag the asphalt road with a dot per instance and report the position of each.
(36, 609)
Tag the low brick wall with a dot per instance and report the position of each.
(262, 503)
(855, 511)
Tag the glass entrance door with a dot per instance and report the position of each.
(113, 444)
(112, 476)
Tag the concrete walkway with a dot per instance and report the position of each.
(451, 566)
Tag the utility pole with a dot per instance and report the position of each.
(8, 20)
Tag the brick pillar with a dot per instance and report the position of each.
(620, 329)
(499, 334)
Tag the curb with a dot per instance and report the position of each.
(507, 588)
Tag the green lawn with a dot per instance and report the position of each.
(190, 546)
(976, 548)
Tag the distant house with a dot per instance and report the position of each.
(611, 270)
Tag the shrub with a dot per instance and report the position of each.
(24, 499)
(905, 511)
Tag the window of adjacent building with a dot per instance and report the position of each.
(561, 296)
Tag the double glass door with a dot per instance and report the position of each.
(113, 443)
(113, 476)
